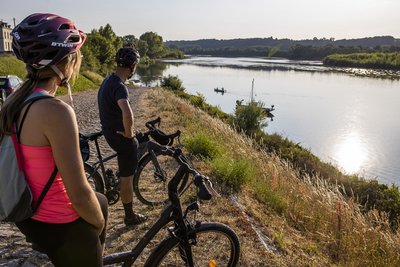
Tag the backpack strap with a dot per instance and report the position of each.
(46, 188)
(29, 101)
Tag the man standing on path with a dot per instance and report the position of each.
(117, 122)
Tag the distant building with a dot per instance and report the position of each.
(5, 37)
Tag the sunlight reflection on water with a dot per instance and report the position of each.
(350, 153)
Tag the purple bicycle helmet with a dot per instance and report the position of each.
(42, 40)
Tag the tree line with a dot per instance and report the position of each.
(312, 49)
(102, 44)
(295, 52)
(388, 61)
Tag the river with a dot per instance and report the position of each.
(347, 120)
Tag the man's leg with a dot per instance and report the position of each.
(126, 192)
(127, 164)
(126, 189)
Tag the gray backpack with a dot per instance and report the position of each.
(15, 195)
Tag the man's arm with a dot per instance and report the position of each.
(127, 118)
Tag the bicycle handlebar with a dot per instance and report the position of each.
(152, 124)
(157, 134)
(202, 182)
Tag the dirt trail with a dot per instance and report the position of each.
(14, 251)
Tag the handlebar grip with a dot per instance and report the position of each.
(172, 137)
(203, 193)
(151, 124)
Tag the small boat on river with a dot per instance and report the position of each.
(220, 90)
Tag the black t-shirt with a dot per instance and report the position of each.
(111, 90)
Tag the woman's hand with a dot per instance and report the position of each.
(100, 226)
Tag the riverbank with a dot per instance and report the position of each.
(283, 218)
(147, 104)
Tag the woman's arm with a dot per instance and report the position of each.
(61, 130)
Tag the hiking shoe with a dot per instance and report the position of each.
(135, 219)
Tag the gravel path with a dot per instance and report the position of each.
(14, 251)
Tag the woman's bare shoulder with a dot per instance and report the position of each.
(54, 107)
(54, 111)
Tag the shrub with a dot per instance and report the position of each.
(201, 145)
(232, 173)
(198, 101)
(251, 117)
(172, 83)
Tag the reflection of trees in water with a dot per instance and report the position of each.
(266, 67)
(151, 73)
(154, 72)
(298, 66)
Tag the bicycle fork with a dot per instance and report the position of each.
(158, 174)
(187, 234)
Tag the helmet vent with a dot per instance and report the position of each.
(33, 23)
(65, 26)
(74, 39)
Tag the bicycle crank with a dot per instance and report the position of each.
(112, 196)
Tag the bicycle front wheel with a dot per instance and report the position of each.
(216, 245)
(152, 176)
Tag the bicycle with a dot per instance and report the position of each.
(189, 243)
(108, 183)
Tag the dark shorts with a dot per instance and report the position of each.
(69, 244)
(127, 153)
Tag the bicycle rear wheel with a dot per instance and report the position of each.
(94, 179)
(216, 244)
(150, 182)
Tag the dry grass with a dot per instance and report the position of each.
(308, 222)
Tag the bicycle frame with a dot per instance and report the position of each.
(173, 212)
(100, 163)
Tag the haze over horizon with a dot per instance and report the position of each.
(223, 19)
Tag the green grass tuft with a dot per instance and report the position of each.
(232, 173)
(201, 145)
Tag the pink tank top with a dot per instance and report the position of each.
(38, 165)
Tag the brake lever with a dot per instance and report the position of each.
(208, 184)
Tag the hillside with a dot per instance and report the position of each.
(282, 218)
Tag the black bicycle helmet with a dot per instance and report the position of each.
(126, 57)
(42, 40)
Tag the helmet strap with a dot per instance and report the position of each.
(64, 82)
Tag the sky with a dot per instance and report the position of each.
(222, 19)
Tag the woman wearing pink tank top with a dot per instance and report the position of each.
(69, 224)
